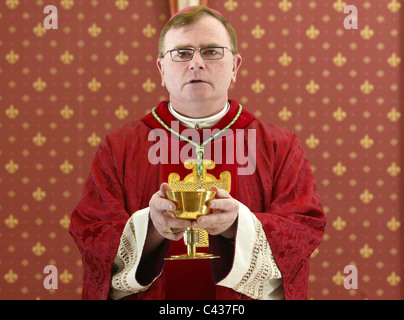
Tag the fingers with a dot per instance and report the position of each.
(225, 213)
(162, 215)
(220, 193)
(227, 204)
(171, 228)
(220, 221)
(160, 202)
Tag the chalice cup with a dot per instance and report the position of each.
(189, 206)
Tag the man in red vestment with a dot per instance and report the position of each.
(264, 229)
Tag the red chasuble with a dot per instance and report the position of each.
(126, 171)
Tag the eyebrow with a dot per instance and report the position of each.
(180, 46)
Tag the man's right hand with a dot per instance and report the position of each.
(162, 215)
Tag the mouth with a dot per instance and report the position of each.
(193, 81)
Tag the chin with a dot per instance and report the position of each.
(199, 97)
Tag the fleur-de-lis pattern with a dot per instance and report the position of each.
(340, 90)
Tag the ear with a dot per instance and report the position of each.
(160, 66)
(237, 60)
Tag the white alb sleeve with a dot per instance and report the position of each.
(126, 262)
(254, 272)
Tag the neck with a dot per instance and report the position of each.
(206, 121)
(198, 110)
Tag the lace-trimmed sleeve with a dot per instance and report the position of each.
(254, 272)
(126, 262)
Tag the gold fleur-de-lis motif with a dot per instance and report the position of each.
(339, 60)
(285, 5)
(11, 167)
(394, 6)
(39, 140)
(39, 194)
(11, 276)
(366, 142)
(258, 86)
(339, 5)
(393, 224)
(11, 222)
(38, 249)
(67, 57)
(12, 57)
(65, 222)
(366, 197)
(94, 30)
(285, 59)
(338, 278)
(121, 113)
(339, 169)
(312, 33)
(12, 4)
(231, 5)
(366, 251)
(394, 61)
(393, 279)
(66, 112)
(339, 224)
(12, 112)
(121, 58)
(285, 114)
(39, 85)
(149, 85)
(258, 32)
(39, 30)
(367, 87)
(312, 142)
(149, 31)
(312, 87)
(93, 140)
(122, 4)
(66, 277)
(393, 170)
(394, 115)
(94, 85)
(67, 4)
(66, 167)
(367, 33)
(339, 115)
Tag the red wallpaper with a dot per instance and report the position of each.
(340, 90)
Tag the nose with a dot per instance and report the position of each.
(197, 61)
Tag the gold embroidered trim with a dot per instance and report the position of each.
(125, 260)
(265, 266)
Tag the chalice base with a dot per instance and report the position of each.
(200, 255)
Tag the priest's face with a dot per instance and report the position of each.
(198, 87)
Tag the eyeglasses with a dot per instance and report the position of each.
(187, 54)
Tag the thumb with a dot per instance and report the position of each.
(220, 193)
(163, 188)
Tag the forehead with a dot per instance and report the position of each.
(206, 31)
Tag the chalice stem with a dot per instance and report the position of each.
(191, 239)
(191, 249)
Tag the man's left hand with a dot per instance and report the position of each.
(223, 219)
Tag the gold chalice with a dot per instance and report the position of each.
(190, 205)
(191, 196)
